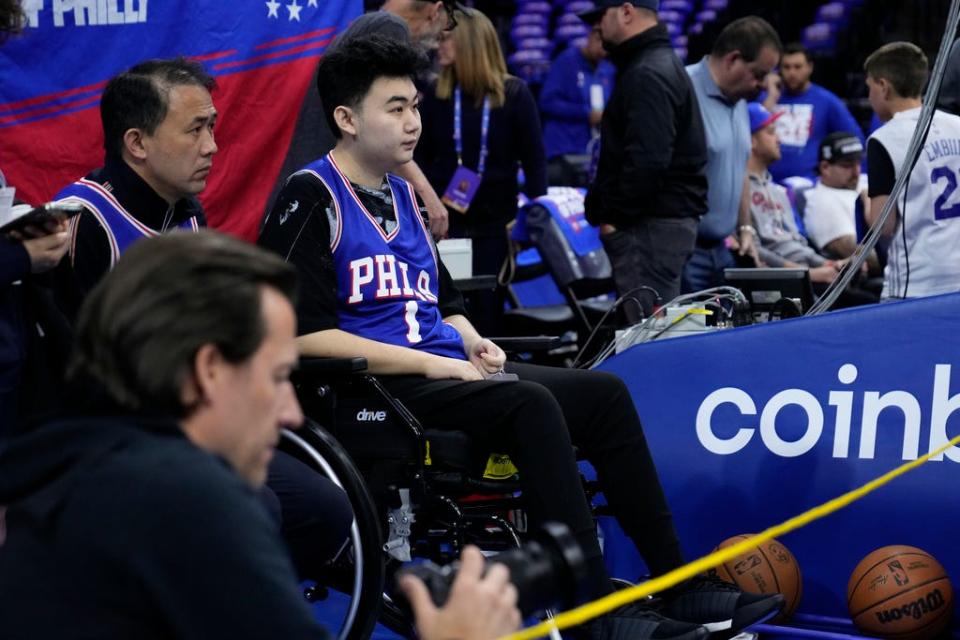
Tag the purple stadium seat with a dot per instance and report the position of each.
(579, 43)
(835, 12)
(672, 16)
(683, 6)
(820, 36)
(522, 19)
(525, 31)
(529, 65)
(537, 6)
(524, 56)
(680, 41)
(568, 18)
(695, 29)
(540, 44)
(568, 32)
(715, 5)
(707, 15)
(681, 53)
(579, 6)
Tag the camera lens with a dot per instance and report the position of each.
(547, 571)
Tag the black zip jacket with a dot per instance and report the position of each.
(120, 527)
(91, 247)
(653, 150)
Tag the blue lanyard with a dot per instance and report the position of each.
(484, 130)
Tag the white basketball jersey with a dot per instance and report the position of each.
(924, 255)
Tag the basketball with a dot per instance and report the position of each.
(765, 569)
(900, 592)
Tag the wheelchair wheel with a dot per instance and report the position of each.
(358, 571)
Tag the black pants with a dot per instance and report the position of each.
(651, 253)
(536, 421)
(313, 513)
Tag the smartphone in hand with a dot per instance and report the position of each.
(45, 216)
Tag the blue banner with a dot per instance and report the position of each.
(754, 425)
(263, 55)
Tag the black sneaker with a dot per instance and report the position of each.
(718, 605)
(637, 621)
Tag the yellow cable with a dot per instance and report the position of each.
(617, 599)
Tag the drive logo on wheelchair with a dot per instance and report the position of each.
(365, 415)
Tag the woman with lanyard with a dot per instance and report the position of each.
(480, 126)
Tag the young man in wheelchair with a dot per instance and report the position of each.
(373, 287)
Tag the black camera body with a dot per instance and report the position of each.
(547, 571)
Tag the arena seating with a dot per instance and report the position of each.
(539, 30)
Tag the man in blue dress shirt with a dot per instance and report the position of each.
(745, 52)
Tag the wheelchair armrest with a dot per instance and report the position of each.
(476, 283)
(527, 343)
(328, 366)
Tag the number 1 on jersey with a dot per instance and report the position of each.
(413, 327)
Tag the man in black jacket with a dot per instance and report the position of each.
(650, 189)
(158, 127)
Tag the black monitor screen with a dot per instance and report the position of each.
(773, 293)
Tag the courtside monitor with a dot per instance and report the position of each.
(773, 293)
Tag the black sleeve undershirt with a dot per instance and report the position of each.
(880, 168)
(303, 239)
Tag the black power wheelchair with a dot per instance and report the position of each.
(415, 492)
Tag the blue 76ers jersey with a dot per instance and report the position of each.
(121, 226)
(387, 284)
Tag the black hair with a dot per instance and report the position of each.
(141, 327)
(347, 73)
(747, 35)
(794, 48)
(139, 98)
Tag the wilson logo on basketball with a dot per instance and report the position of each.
(916, 609)
(899, 575)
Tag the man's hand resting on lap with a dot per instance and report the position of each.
(441, 368)
(487, 357)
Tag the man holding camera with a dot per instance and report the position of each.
(136, 516)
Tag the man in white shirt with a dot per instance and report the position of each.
(829, 212)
